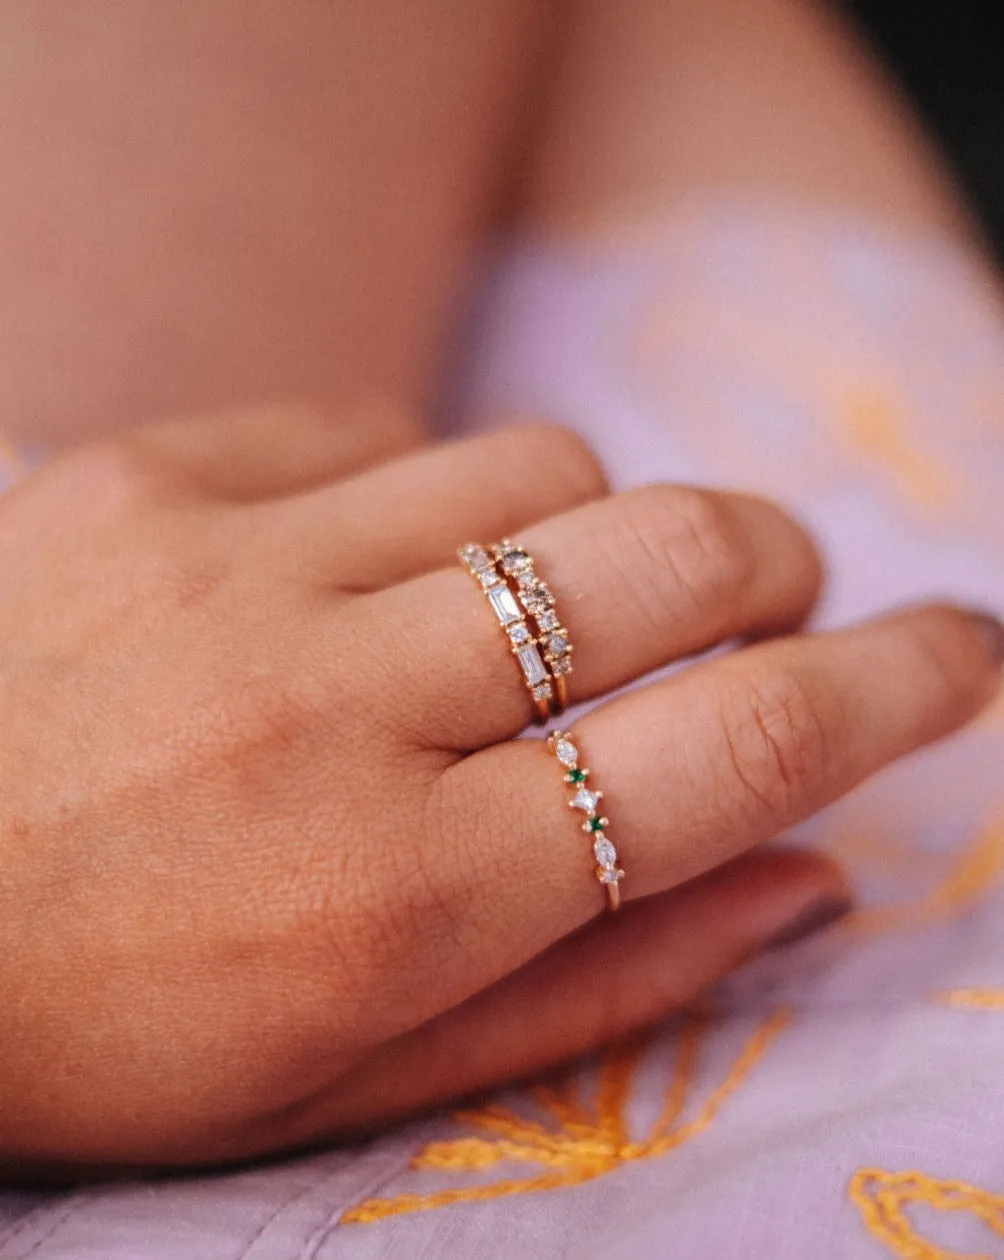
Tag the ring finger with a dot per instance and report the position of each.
(696, 769)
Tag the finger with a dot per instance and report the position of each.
(271, 451)
(616, 975)
(695, 769)
(409, 516)
(641, 579)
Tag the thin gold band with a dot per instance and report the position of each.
(562, 744)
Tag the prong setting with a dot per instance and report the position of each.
(564, 748)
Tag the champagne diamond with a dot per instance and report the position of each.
(548, 620)
(515, 561)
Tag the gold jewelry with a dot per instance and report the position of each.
(562, 745)
(539, 681)
(536, 598)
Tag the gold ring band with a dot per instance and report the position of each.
(582, 797)
(480, 563)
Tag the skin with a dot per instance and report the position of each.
(251, 816)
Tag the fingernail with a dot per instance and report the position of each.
(991, 631)
(821, 914)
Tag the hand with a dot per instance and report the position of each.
(271, 868)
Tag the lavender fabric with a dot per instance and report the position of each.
(842, 1099)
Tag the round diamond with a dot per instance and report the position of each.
(515, 561)
(605, 853)
(562, 666)
(557, 645)
(519, 633)
(543, 692)
(566, 752)
(548, 620)
(610, 877)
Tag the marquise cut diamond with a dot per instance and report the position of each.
(606, 854)
(566, 752)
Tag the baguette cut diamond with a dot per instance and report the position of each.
(503, 603)
(532, 666)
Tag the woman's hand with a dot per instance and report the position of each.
(271, 867)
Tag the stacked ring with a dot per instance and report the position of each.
(482, 567)
(586, 799)
(506, 574)
(535, 596)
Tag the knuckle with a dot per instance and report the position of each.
(567, 451)
(696, 559)
(777, 743)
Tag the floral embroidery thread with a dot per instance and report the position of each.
(583, 1144)
(881, 1198)
(977, 870)
(971, 999)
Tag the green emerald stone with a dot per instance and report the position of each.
(577, 776)
(596, 824)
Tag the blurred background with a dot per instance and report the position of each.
(948, 60)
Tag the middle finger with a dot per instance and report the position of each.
(641, 579)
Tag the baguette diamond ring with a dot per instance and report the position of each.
(481, 564)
